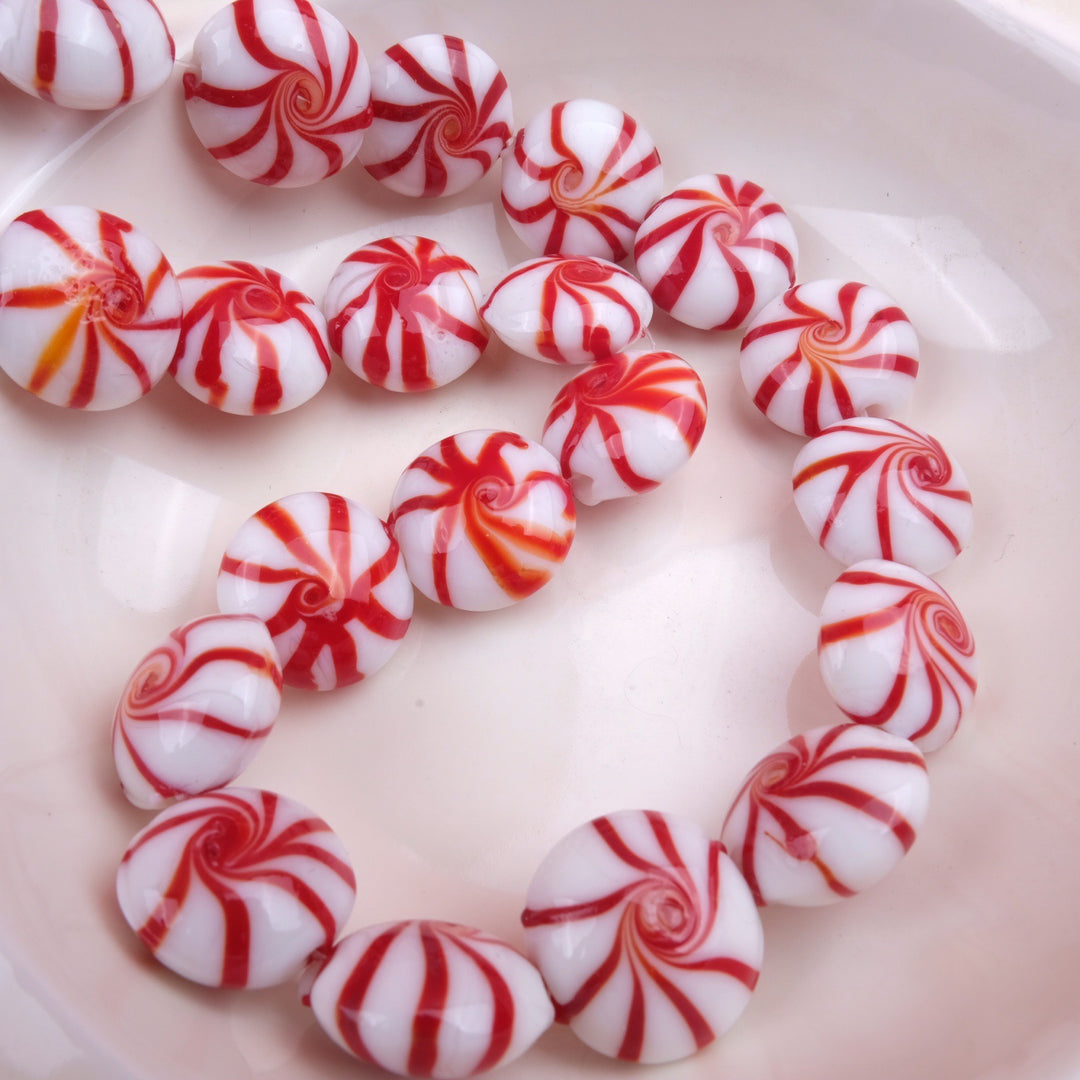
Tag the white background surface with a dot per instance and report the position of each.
(929, 148)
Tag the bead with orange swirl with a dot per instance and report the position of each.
(196, 710)
(827, 814)
(896, 652)
(404, 314)
(442, 116)
(715, 251)
(237, 888)
(327, 578)
(252, 341)
(646, 935)
(579, 179)
(626, 424)
(826, 351)
(878, 489)
(483, 519)
(89, 308)
(280, 92)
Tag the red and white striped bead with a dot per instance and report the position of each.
(895, 652)
(827, 814)
(568, 310)
(196, 710)
(89, 308)
(85, 54)
(442, 116)
(715, 251)
(237, 888)
(422, 998)
(826, 351)
(483, 519)
(646, 936)
(626, 424)
(878, 489)
(579, 179)
(327, 578)
(280, 92)
(252, 341)
(404, 314)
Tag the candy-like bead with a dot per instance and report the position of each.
(625, 424)
(646, 935)
(85, 54)
(895, 652)
(280, 92)
(827, 351)
(716, 250)
(579, 179)
(89, 308)
(196, 710)
(252, 341)
(327, 578)
(876, 488)
(236, 888)
(442, 116)
(422, 998)
(568, 310)
(404, 314)
(827, 814)
(483, 519)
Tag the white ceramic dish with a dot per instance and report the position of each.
(917, 147)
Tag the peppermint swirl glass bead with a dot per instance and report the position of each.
(646, 935)
(424, 998)
(85, 54)
(442, 116)
(827, 814)
(579, 179)
(483, 519)
(874, 488)
(826, 351)
(895, 652)
(90, 308)
(196, 710)
(280, 92)
(568, 309)
(237, 888)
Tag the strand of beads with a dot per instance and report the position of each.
(643, 929)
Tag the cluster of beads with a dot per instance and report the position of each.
(642, 930)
